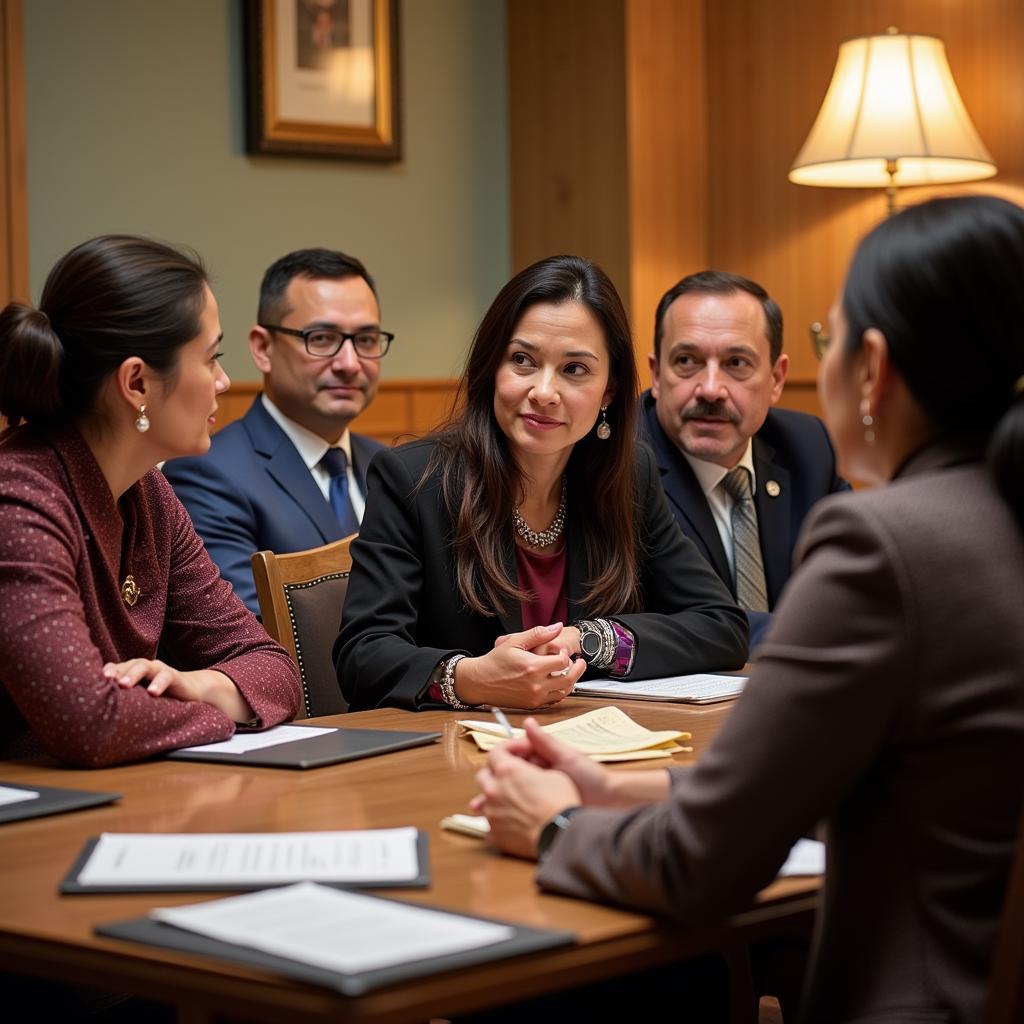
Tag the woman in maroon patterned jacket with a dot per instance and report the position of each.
(118, 638)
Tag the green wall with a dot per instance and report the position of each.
(135, 123)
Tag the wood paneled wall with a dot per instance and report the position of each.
(402, 410)
(13, 180)
(768, 66)
(567, 132)
(719, 96)
(592, 86)
(668, 161)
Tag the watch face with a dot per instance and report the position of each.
(590, 644)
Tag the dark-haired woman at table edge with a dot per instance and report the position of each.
(118, 638)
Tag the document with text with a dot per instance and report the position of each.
(339, 931)
(605, 734)
(247, 860)
(701, 688)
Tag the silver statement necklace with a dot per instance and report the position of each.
(542, 538)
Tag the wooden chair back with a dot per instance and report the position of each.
(301, 595)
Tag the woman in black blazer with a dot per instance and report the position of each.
(529, 541)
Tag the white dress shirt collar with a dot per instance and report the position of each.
(310, 446)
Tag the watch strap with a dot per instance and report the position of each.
(553, 829)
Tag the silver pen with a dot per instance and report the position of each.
(503, 721)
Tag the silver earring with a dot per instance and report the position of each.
(604, 430)
(142, 420)
(868, 420)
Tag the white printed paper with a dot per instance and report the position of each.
(253, 858)
(243, 742)
(806, 858)
(698, 686)
(15, 796)
(339, 931)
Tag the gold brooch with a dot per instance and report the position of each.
(130, 591)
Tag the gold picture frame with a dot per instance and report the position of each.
(322, 78)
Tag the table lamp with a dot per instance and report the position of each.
(892, 117)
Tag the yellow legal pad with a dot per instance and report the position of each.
(604, 734)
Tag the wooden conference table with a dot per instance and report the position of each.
(50, 935)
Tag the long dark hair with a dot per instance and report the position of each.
(109, 298)
(944, 282)
(481, 481)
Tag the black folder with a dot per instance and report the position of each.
(166, 936)
(328, 748)
(52, 800)
(71, 884)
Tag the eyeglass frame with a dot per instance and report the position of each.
(819, 340)
(387, 337)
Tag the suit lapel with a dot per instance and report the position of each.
(574, 568)
(289, 472)
(772, 518)
(511, 617)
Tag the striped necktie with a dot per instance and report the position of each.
(335, 461)
(751, 591)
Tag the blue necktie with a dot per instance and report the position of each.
(335, 461)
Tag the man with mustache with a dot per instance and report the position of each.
(290, 475)
(739, 474)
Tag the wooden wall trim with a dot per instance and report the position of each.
(14, 276)
(402, 409)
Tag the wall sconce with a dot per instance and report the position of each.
(892, 117)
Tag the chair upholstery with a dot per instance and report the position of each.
(1006, 986)
(301, 595)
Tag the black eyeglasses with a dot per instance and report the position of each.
(327, 341)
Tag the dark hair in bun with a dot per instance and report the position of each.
(110, 298)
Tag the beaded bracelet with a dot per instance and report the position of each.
(447, 684)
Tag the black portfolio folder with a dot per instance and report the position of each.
(51, 800)
(327, 748)
(166, 936)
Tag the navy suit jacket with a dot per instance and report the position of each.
(252, 492)
(792, 450)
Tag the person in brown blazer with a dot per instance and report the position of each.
(888, 697)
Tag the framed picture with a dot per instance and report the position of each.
(322, 77)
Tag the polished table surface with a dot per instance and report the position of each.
(45, 933)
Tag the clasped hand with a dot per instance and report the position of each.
(532, 669)
(530, 779)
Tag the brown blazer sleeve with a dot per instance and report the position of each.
(816, 713)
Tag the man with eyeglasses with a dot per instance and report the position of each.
(740, 475)
(290, 474)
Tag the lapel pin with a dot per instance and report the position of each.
(773, 488)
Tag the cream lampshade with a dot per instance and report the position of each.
(892, 116)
